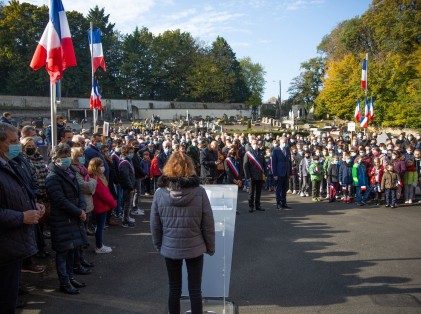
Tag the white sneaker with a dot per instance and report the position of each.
(138, 212)
(410, 202)
(302, 194)
(294, 192)
(131, 219)
(146, 194)
(289, 192)
(306, 194)
(103, 250)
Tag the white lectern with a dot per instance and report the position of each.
(217, 268)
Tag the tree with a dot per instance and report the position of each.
(253, 75)
(305, 88)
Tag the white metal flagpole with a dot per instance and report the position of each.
(53, 115)
(94, 110)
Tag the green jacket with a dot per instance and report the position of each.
(316, 171)
(410, 177)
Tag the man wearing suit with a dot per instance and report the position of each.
(254, 165)
(282, 170)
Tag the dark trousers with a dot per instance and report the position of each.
(315, 188)
(64, 265)
(9, 287)
(255, 193)
(281, 187)
(390, 195)
(100, 225)
(194, 271)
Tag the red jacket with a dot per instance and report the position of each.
(103, 200)
(154, 170)
(372, 175)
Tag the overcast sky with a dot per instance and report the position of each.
(278, 34)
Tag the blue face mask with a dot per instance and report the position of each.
(131, 155)
(98, 145)
(14, 150)
(65, 162)
(82, 160)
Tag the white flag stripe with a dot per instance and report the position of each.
(64, 25)
(98, 52)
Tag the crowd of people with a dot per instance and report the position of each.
(89, 181)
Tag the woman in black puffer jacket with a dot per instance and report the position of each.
(182, 227)
(67, 216)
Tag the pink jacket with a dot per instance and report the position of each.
(103, 200)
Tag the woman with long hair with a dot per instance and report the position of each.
(103, 202)
(182, 227)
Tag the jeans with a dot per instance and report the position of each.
(255, 192)
(137, 192)
(9, 286)
(390, 195)
(64, 266)
(194, 271)
(409, 192)
(281, 187)
(127, 204)
(120, 200)
(362, 196)
(100, 224)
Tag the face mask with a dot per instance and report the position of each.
(36, 138)
(194, 144)
(410, 138)
(102, 169)
(376, 154)
(339, 151)
(30, 151)
(353, 154)
(131, 155)
(254, 146)
(14, 150)
(65, 162)
(329, 146)
(167, 150)
(317, 154)
(348, 160)
(409, 152)
(393, 157)
(418, 138)
(81, 160)
(282, 145)
(98, 145)
(389, 147)
(331, 155)
(307, 157)
(384, 151)
(117, 149)
(362, 154)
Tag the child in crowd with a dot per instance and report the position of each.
(375, 174)
(268, 171)
(410, 180)
(303, 173)
(126, 176)
(345, 177)
(316, 175)
(293, 180)
(390, 183)
(145, 163)
(154, 171)
(359, 177)
(333, 177)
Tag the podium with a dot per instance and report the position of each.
(217, 268)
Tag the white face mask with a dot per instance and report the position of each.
(283, 145)
(254, 146)
(102, 169)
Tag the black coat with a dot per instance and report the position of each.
(137, 166)
(207, 163)
(251, 170)
(126, 174)
(17, 240)
(67, 230)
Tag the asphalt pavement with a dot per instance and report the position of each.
(314, 258)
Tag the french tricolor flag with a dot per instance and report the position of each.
(55, 48)
(357, 114)
(371, 109)
(95, 101)
(96, 47)
(364, 75)
(364, 119)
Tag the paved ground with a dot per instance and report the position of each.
(315, 258)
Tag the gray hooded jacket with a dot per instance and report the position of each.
(182, 224)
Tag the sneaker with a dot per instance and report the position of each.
(364, 203)
(393, 206)
(306, 194)
(128, 224)
(147, 194)
(302, 194)
(138, 212)
(131, 219)
(103, 250)
(314, 199)
(406, 202)
(289, 192)
(294, 192)
(410, 202)
(387, 205)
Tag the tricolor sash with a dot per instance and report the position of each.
(233, 168)
(125, 161)
(253, 158)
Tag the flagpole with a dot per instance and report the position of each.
(94, 110)
(53, 115)
(366, 89)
